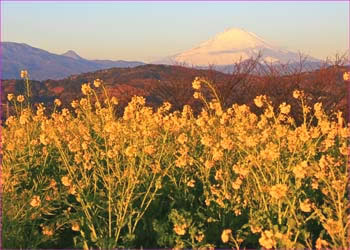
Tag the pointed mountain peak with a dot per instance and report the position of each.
(234, 45)
(72, 54)
(235, 38)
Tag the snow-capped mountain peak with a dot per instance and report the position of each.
(234, 38)
(233, 45)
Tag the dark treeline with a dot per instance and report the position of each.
(159, 83)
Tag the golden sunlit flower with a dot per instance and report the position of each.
(300, 171)
(296, 94)
(191, 183)
(209, 164)
(332, 226)
(97, 83)
(66, 181)
(72, 190)
(24, 74)
(53, 183)
(130, 151)
(199, 237)
(75, 104)
(206, 140)
(182, 138)
(267, 239)
(47, 231)
(114, 100)
(278, 191)
(346, 76)
(10, 96)
(285, 109)
(237, 183)
(305, 206)
(217, 154)
(226, 144)
(255, 229)
(259, 100)
(35, 202)
(58, 102)
(196, 84)
(321, 243)
(180, 229)
(86, 89)
(84, 102)
(196, 95)
(226, 235)
(24, 118)
(43, 139)
(75, 226)
(20, 98)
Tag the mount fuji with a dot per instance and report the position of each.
(231, 46)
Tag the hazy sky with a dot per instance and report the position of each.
(151, 30)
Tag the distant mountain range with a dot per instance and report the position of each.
(221, 52)
(43, 65)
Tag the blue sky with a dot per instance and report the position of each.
(151, 30)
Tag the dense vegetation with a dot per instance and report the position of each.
(160, 83)
(223, 176)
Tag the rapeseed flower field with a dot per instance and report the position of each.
(84, 177)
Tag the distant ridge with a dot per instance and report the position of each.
(43, 65)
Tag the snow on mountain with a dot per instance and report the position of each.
(231, 46)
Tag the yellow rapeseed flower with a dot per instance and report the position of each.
(10, 97)
(217, 154)
(114, 100)
(191, 183)
(259, 100)
(332, 226)
(199, 237)
(20, 98)
(47, 231)
(226, 235)
(305, 206)
(285, 109)
(97, 83)
(267, 239)
(86, 89)
(24, 74)
(75, 104)
(321, 243)
(296, 94)
(196, 84)
(58, 102)
(180, 229)
(66, 181)
(300, 171)
(35, 202)
(182, 138)
(278, 191)
(75, 226)
(196, 95)
(130, 151)
(236, 184)
(53, 184)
